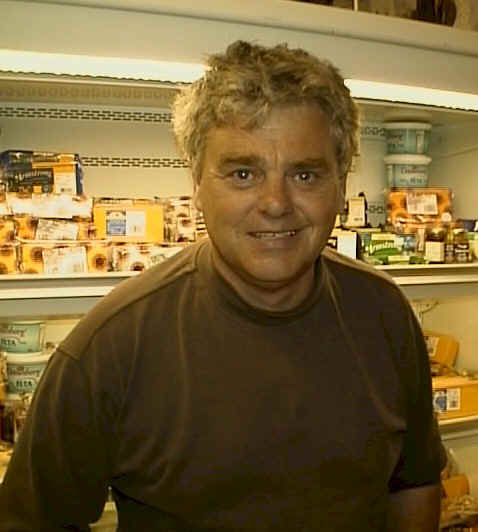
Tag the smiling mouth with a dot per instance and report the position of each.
(269, 235)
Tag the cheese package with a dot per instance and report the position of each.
(179, 219)
(129, 220)
(50, 205)
(98, 255)
(26, 226)
(49, 229)
(442, 348)
(40, 172)
(455, 397)
(64, 259)
(7, 229)
(131, 257)
(31, 256)
(411, 208)
(9, 259)
(140, 256)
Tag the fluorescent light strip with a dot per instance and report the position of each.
(110, 67)
(373, 90)
(149, 70)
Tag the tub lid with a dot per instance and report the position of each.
(407, 125)
(28, 358)
(407, 159)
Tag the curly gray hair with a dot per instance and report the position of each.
(243, 84)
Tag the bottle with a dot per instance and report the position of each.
(449, 246)
(462, 246)
(435, 245)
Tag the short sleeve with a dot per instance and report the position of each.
(423, 456)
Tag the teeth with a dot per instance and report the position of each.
(280, 234)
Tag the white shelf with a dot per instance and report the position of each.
(426, 274)
(40, 286)
(37, 286)
(460, 427)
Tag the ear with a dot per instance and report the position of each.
(197, 197)
(342, 187)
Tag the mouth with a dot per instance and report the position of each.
(271, 235)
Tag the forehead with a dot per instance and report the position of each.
(287, 132)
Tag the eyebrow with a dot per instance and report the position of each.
(246, 160)
(253, 160)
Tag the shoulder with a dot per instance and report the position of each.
(131, 300)
(362, 285)
(355, 268)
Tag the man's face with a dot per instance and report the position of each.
(269, 197)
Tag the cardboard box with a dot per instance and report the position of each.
(7, 230)
(64, 259)
(411, 208)
(129, 220)
(31, 257)
(455, 397)
(26, 226)
(98, 255)
(9, 260)
(442, 348)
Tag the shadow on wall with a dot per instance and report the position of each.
(461, 14)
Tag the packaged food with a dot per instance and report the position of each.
(41, 172)
(129, 220)
(65, 260)
(22, 336)
(407, 137)
(7, 229)
(50, 205)
(411, 208)
(98, 255)
(9, 258)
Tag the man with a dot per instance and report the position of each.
(255, 381)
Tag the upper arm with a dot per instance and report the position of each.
(58, 474)
(423, 456)
(414, 510)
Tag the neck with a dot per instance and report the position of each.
(269, 296)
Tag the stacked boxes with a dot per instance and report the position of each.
(48, 226)
(27, 171)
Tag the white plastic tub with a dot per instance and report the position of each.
(22, 336)
(407, 170)
(407, 137)
(24, 371)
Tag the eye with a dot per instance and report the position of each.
(243, 177)
(242, 174)
(305, 177)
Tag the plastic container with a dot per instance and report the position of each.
(22, 336)
(407, 170)
(24, 371)
(407, 137)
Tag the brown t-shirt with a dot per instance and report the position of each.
(203, 413)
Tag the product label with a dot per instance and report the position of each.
(125, 223)
(65, 260)
(21, 338)
(24, 378)
(135, 223)
(65, 182)
(422, 204)
(116, 223)
(447, 400)
(56, 230)
(432, 345)
(434, 251)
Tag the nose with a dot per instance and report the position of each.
(274, 197)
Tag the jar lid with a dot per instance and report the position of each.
(407, 125)
(407, 159)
